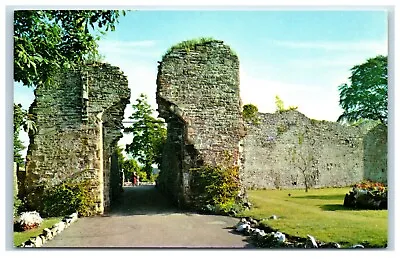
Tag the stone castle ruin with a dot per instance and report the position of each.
(79, 123)
(198, 96)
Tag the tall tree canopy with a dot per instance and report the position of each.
(46, 40)
(366, 97)
(149, 135)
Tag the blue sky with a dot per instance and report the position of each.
(302, 56)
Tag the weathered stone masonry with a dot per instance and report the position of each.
(198, 96)
(79, 122)
(343, 155)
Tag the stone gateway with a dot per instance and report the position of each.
(79, 122)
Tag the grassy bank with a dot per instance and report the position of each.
(319, 213)
(21, 237)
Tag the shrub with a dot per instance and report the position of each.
(189, 45)
(154, 177)
(367, 195)
(28, 220)
(17, 204)
(215, 189)
(68, 198)
(281, 128)
(142, 176)
(250, 113)
(280, 107)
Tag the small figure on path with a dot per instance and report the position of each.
(135, 179)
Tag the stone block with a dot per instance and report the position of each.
(47, 233)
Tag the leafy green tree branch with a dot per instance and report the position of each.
(47, 40)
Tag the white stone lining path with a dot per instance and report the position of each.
(49, 234)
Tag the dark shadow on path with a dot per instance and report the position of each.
(142, 200)
(247, 239)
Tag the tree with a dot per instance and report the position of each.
(47, 40)
(121, 158)
(25, 120)
(130, 166)
(280, 107)
(303, 158)
(279, 104)
(366, 96)
(149, 135)
(19, 115)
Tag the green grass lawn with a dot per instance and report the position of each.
(21, 237)
(319, 213)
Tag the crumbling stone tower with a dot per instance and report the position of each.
(79, 122)
(198, 96)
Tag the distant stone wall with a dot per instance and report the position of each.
(198, 96)
(339, 155)
(79, 122)
(375, 153)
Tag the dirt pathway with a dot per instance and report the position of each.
(144, 218)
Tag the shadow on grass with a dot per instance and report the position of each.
(334, 207)
(321, 197)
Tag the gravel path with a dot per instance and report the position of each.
(144, 218)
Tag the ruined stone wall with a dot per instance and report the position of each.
(375, 152)
(108, 96)
(78, 121)
(198, 96)
(341, 155)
